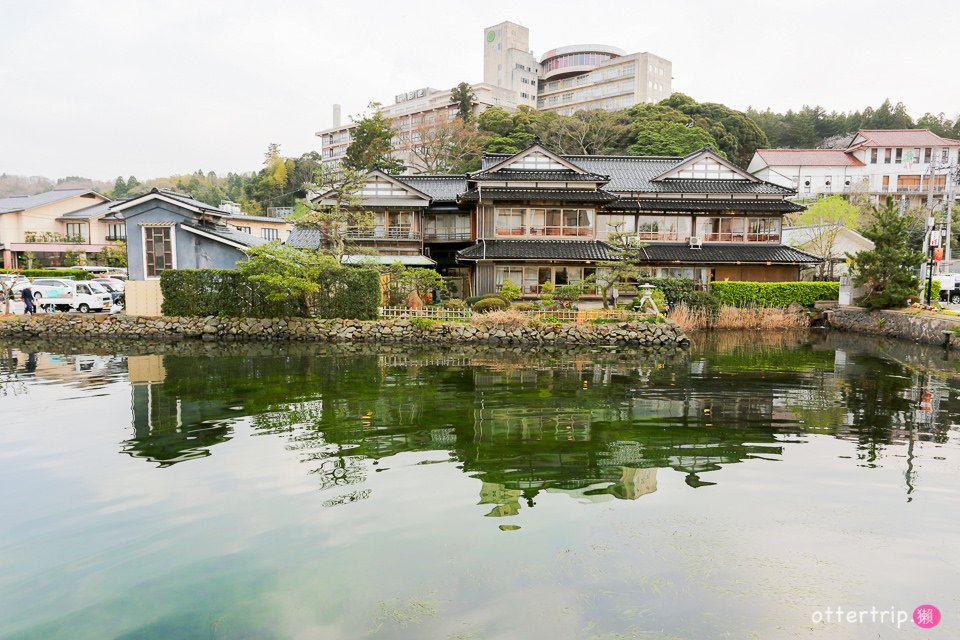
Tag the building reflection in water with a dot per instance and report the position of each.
(595, 425)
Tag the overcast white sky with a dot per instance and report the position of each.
(102, 88)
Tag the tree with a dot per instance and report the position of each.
(288, 273)
(826, 219)
(462, 95)
(447, 145)
(659, 138)
(372, 144)
(593, 132)
(119, 188)
(339, 215)
(627, 255)
(887, 270)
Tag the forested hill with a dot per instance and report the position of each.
(673, 127)
(813, 127)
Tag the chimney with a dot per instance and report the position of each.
(336, 115)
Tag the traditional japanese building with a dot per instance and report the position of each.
(537, 217)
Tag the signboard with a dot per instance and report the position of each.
(938, 254)
(411, 95)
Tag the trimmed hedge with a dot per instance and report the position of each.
(934, 290)
(345, 293)
(78, 274)
(489, 304)
(774, 294)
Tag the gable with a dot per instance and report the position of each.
(382, 190)
(535, 158)
(706, 165)
(378, 186)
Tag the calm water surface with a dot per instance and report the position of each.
(304, 491)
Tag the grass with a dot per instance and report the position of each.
(756, 318)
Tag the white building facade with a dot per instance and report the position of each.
(913, 163)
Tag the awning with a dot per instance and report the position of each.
(407, 261)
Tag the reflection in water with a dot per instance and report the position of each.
(595, 423)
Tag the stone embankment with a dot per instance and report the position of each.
(896, 324)
(665, 333)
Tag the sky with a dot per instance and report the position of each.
(102, 88)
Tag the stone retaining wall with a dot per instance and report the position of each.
(668, 333)
(897, 324)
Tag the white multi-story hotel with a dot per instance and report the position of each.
(566, 79)
(899, 162)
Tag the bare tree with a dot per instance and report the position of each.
(445, 145)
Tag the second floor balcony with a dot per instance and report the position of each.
(461, 233)
(383, 232)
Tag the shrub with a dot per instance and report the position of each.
(511, 291)
(455, 304)
(704, 301)
(496, 296)
(76, 274)
(423, 323)
(506, 319)
(472, 300)
(489, 304)
(774, 294)
(934, 286)
(345, 292)
(526, 306)
(675, 290)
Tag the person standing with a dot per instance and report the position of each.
(27, 297)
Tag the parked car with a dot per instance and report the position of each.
(112, 289)
(113, 282)
(82, 296)
(44, 287)
(11, 280)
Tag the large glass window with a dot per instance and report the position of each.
(158, 250)
(662, 228)
(117, 231)
(510, 222)
(77, 231)
(561, 222)
(269, 234)
(609, 226)
(532, 278)
(738, 229)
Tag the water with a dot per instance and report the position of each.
(306, 491)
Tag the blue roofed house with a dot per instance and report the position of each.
(170, 230)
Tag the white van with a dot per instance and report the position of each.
(949, 287)
(82, 296)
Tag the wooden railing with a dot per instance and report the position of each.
(431, 313)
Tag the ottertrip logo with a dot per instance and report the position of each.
(925, 616)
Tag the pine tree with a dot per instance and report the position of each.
(887, 270)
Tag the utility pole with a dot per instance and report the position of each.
(952, 176)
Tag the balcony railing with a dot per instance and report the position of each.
(545, 231)
(116, 238)
(447, 233)
(381, 232)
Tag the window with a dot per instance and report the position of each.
(510, 222)
(77, 230)
(916, 156)
(157, 250)
(608, 226)
(663, 227)
(926, 155)
(908, 183)
(873, 156)
(117, 231)
(945, 155)
(738, 229)
(887, 156)
(886, 183)
(561, 222)
(244, 229)
(269, 234)
(899, 156)
(763, 230)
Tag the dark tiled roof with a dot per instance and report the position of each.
(566, 175)
(184, 198)
(537, 250)
(673, 185)
(560, 195)
(305, 238)
(770, 206)
(439, 188)
(728, 253)
(637, 174)
(228, 233)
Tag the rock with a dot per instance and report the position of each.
(795, 307)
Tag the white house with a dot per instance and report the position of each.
(829, 242)
(897, 162)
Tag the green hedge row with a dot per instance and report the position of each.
(344, 293)
(78, 274)
(934, 290)
(774, 294)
